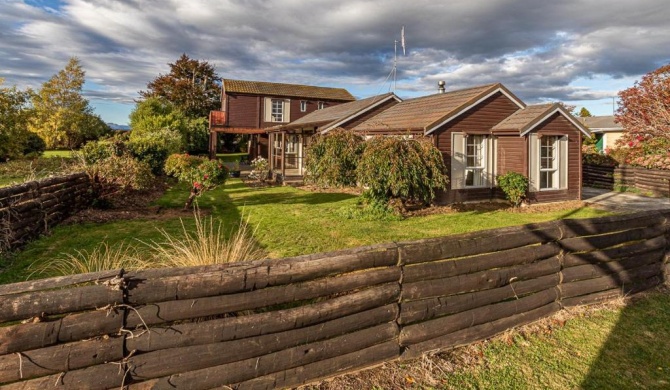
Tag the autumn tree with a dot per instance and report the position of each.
(644, 112)
(192, 86)
(62, 116)
(14, 115)
(584, 113)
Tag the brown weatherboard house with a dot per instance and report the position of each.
(249, 107)
(487, 131)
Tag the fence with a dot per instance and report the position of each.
(653, 181)
(30, 209)
(286, 322)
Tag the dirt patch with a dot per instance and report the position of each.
(127, 206)
(484, 207)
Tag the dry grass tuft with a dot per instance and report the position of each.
(103, 257)
(206, 244)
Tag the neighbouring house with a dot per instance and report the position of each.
(249, 107)
(604, 129)
(291, 141)
(486, 131)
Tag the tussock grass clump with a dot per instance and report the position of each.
(203, 244)
(206, 244)
(103, 257)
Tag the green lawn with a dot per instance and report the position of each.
(58, 153)
(287, 222)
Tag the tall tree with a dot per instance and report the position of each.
(584, 113)
(644, 109)
(192, 86)
(14, 114)
(62, 116)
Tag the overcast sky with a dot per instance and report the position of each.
(580, 52)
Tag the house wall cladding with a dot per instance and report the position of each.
(652, 181)
(32, 208)
(286, 322)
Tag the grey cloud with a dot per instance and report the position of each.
(536, 48)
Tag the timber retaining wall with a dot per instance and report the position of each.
(30, 209)
(286, 322)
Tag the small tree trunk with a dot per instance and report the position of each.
(189, 201)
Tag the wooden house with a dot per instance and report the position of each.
(486, 131)
(291, 141)
(605, 130)
(249, 107)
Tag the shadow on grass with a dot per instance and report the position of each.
(636, 354)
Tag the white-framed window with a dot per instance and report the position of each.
(277, 110)
(303, 105)
(472, 160)
(549, 163)
(475, 160)
(321, 105)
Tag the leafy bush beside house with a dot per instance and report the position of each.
(515, 187)
(406, 169)
(332, 159)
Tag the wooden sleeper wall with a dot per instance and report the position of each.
(30, 209)
(286, 322)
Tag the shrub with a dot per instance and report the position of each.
(95, 151)
(34, 145)
(408, 169)
(515, 187)
(332, 159)
(121, 173)
(200, 173)
(655, 161)
(155, 147)
(260, 169)
(591, 155)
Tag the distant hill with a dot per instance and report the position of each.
(114, 126)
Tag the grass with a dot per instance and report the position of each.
(286, 222)
(57, 153)
(617, 346)
(20, 171)
(232, 157)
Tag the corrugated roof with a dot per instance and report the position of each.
(333, 114)
(422, 112)
(286, 90)
(524, 117)
(601, 122)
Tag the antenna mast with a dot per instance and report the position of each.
(395, 63)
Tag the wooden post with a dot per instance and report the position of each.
(213, 138)
(283, 155)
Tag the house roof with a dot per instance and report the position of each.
(331, 117)
(287, 90)
(598, 124)
(528, 118)
(430, 112)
